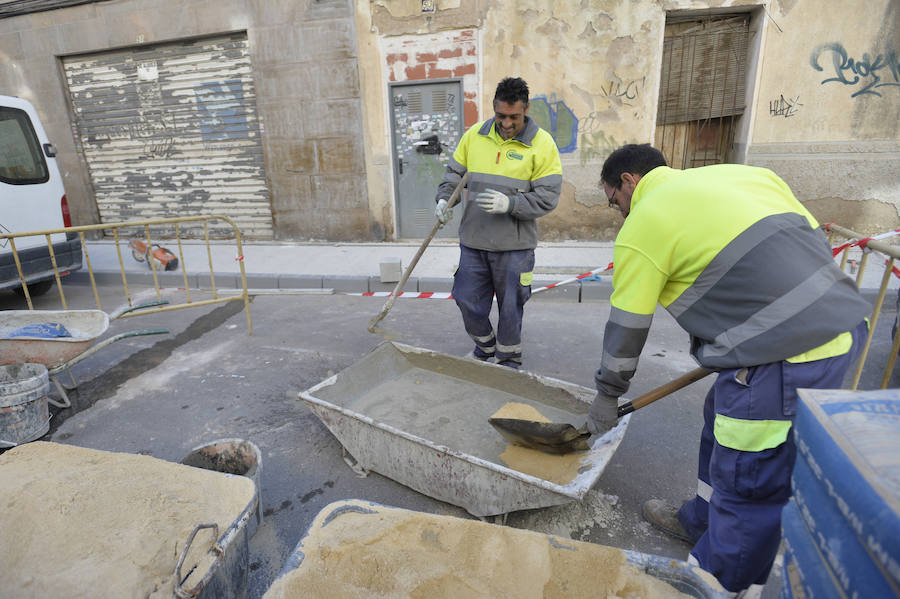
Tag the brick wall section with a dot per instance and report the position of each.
(442, 55)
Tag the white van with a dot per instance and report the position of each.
(32, 198)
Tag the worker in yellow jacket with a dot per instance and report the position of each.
(743, 267)
(516, 178)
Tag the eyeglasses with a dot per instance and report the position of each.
(612, 199)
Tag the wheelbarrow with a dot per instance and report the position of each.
(61, 353)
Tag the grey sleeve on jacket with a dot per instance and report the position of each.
(623, 341)
(541, 200)
(452, 177)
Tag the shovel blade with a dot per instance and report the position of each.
(549, 437)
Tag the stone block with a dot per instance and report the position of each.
(291, 82)
(595, 291)
(300, 282)
(223, 281)
(340, 155)
(435, 285)
(86, 36)
(296, 156)
(262, 281)
(338, 79)
(11, 45)
(390, 270)
(347, 283)
(411, 285)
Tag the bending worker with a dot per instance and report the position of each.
(744, 269)
(516, 178)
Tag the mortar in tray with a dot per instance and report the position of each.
(421, 418)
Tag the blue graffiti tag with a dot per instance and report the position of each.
(863, 71)
(223, 116)
(557, 119)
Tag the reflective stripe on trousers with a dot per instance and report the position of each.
(738, 529)
(480, 276)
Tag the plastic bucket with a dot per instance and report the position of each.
(24, 415)
(231, 456)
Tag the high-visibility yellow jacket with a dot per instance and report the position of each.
(738, 261)
(526, 168)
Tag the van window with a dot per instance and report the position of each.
(21, 159)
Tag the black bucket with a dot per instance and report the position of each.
(231, 456)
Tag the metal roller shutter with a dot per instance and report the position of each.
(172, 130)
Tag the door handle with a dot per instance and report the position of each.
(400, 165)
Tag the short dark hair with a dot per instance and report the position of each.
(512, 90)
(630, 158)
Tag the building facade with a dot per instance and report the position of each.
(332, 120)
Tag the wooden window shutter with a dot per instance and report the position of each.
(703, 70)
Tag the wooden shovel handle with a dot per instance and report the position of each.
(437, 225)
(647, 398)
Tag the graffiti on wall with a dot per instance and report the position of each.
(784, 107)
(596, 145)
(585, 134)
(223, 116)
(628, 90)
(554, 117)
(865, 75)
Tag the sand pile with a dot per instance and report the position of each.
(367, 551)
(78, 522)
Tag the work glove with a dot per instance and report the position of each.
(492, 201)
(442, 213)
(603, 414)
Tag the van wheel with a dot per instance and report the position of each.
(35, 289)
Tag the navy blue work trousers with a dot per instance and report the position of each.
(482, 275)
(735, 518)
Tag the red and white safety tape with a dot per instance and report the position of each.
(864, 243)
(447, 295)
(407, 294)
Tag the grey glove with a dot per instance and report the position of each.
(442, 213)
(492, 201)
(603, 414)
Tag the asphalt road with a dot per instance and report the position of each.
(208, 379)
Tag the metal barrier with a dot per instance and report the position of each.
(145, 225)
(869, 245)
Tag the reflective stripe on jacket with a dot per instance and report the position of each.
(526, 168)
(736, 259)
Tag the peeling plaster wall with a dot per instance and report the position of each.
(827, 109)
(592, 69)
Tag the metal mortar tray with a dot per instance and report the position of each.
(420, 418)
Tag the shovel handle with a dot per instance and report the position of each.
(437, 225)
(647, 398)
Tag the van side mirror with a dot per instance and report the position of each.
(50, 150)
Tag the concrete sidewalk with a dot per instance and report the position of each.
(342, 267)
(356, 267)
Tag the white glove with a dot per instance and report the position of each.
(442, 213)
(492, 201)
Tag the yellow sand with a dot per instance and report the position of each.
(398, 554)
(559, 469)
(78, 522)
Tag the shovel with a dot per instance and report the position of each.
(437, 225)
(562, 438)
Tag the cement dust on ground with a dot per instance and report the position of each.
(361, 550)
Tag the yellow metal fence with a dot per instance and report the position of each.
(851, 239)
(144, 228)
